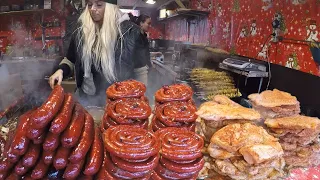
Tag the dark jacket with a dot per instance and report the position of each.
(143, 52)
(125, 62)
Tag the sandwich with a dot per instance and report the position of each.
(246, 151)
(222, 111)
(299, 138)
(275, 104)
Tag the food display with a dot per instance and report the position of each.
(299, 138)
(219, 140)
(246, 151)
(211, 83)
(60, 134)
(127, 111)
(126, 89)
(275, 104)
(175, 114)
(131, 153)
(221, 111)
(181, 156)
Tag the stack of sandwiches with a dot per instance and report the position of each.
(299, 138)
(275, 104)
(221, 111)
(246, 152)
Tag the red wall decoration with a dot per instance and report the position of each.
(23, 30)
(243, 26)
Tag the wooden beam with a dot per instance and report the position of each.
(181, 5)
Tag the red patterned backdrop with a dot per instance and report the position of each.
(24, 30)
(242, 27)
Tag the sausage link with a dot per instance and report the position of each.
(5, 165)
(51, 142)
(47, 157)
(13, 176)
(20, 169)
(86, 139)
(44, 114)
(71, 135)
(60, 160)
(27, 176)
(84, 177)
(13, 158)
(34, 133)
(61, 121)
(20, 141)
(31, 157)
(95, 156)
(3, 175)
(40, 170)
(40, 139)
(73, 170)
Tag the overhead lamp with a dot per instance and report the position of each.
(150, 1)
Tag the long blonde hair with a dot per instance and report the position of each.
(98, 43)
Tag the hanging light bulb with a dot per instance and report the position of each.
(150, 1)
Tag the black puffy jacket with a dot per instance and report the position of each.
(125, 61)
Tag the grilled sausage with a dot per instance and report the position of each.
(60, 160)
(13, 176)
(44, 114)
(40, 139)
(20, 141)
(31, 157)
(47, 157)
(20, 169)
(95, 156)
(71, 135)
(60, 123)
(85, 142)
(51, 142)
(73, 170)
(40, 170)
(5, 165)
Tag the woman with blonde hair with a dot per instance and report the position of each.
(101, 51)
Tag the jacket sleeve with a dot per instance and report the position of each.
(67, 64)
(127, 60)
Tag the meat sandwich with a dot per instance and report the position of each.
(299, 138)
(246, 151)
(275, 104)
(221, 112)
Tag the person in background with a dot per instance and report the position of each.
(101, 51)
(142, 52)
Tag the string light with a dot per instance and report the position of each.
(150, 2)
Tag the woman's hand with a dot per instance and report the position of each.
(57, 76)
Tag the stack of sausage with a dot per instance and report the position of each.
(126, 105)
(174, 108)
(175, 114)
(60, 134)
(181, 156)
(132, 153)
(126, 89)
(127, 111)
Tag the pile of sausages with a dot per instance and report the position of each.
(127, 111)
(174, 108)
(181, 156)
(58, 135)
(131, 153)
